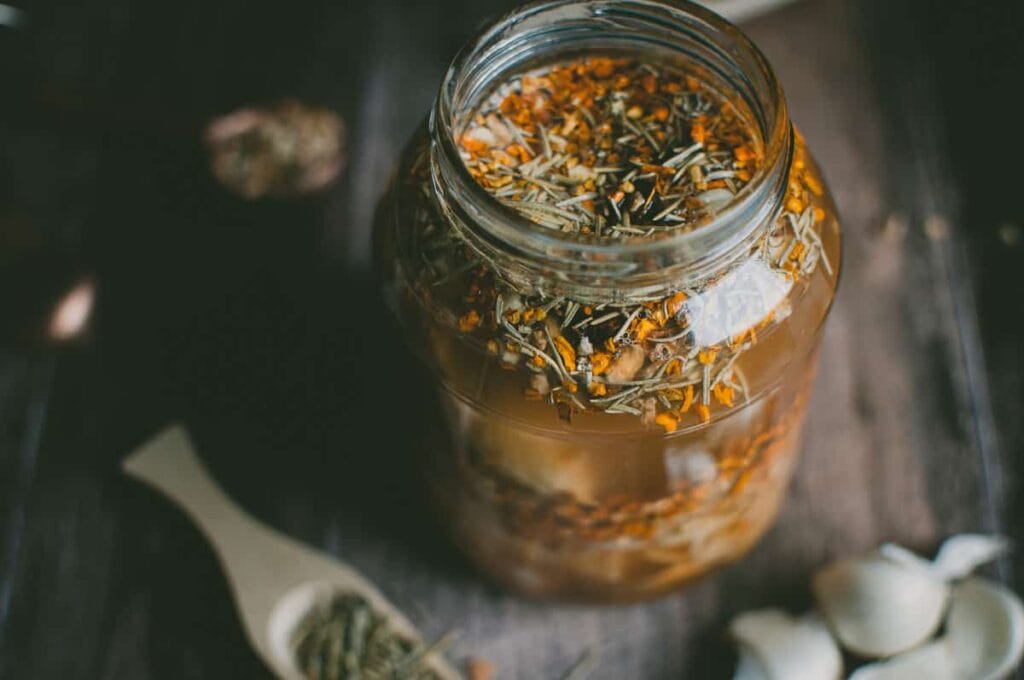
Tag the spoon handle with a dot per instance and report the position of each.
(169, 464)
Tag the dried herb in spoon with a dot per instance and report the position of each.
(348, 639)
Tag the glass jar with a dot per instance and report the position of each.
(620, 415)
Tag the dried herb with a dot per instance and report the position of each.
(348, 639)
(618, 150)
(613, 148)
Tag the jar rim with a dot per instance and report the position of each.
(499, 227)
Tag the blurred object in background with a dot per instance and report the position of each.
(288, 149)
(46, 290)
(11, 17)
(46, 295)
(738, 10)
(49, 165)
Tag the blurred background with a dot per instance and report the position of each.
(137, 288)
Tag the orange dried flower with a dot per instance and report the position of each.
(687, 400)
(667, 421)
(531, 314)
(699, 133)
(602, 68)
(518, 151)
(675, 303)
(599, 362)
(473, 146)
(659, 316)
(707, 356)
(723, 394)
(566, 351)
(469, 321)
(642, 328)
(703, 412)
(813, 184)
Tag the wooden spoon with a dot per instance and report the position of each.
(274, 578)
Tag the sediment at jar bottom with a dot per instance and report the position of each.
(590, 519)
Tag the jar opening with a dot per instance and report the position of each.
(535, 257)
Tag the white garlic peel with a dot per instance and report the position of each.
(930, 662)
(889, 604)
(962, 554)
(777, 646)
(984, 640)
(985, 629)
(878, 607)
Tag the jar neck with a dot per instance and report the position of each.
(537, 260)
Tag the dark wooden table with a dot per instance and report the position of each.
(258, 326)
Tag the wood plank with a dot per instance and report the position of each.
(243, 338)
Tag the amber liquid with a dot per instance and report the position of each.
(601, 507)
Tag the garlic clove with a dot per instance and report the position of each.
(930, 662)
(777, 646)
(985, 629)
(878, 607)
(962, 554)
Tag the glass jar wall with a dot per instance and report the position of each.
(614, 255)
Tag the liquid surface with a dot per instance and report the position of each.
(610, 148)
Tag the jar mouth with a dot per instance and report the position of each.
(541, 33)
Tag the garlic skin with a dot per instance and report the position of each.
(957, 557)
(963, 553)
(985, 629)
(878, 607)
(777, 646)
(930, 662)
(888, 605)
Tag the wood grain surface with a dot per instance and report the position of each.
(260, 327)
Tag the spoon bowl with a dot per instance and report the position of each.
(275, 580)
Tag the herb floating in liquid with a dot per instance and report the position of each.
(611, 150)
(348, 639)
(610, 147)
